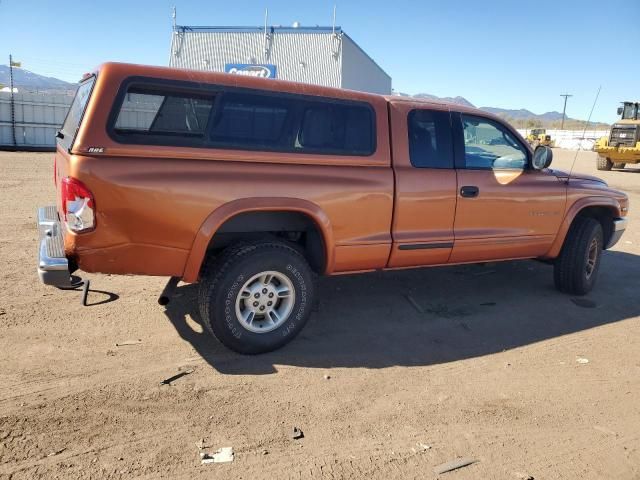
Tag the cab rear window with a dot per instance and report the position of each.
(75, 113)
(242, 119)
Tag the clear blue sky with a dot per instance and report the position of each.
(510, 54)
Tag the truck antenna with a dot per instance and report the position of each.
(266, 35)
(333, 27)
(584, 131)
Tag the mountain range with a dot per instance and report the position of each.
(521, 118)
(24, 80)
(520, 114)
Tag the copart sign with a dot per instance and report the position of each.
(251, 69)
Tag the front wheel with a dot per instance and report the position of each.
(576, 268)
(256, 297)
(604, 163)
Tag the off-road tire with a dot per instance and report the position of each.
(619, 165)
(570, 268)
(604, 163)
(222, 279)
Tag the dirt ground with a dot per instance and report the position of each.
(491, 369)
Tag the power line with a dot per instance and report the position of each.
(564, 109)
(13, 103)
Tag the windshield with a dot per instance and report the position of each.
(630, 111)
(74, 116)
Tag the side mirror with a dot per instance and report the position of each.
(542, 158)
(620, 109)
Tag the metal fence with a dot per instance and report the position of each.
(37, 117)
(570, 134)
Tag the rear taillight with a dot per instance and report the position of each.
(78, 205)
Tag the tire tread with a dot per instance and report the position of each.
(567, 277)
(604, 163)
(215, 269)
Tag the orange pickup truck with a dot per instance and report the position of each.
(254, 187)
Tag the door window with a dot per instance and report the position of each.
(430, 139)
(489, 145)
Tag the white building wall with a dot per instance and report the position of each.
(360, 72)
(307, 55)
(300, 57)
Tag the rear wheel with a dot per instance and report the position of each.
(256, 297)
(619, 165)
(604, 163)
(576, 268)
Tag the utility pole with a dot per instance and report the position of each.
(564, 109)
(13, 104)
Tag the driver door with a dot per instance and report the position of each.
(504, 209)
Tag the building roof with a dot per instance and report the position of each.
(271, 29)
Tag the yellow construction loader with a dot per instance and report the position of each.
(623, 144)
(538, 136)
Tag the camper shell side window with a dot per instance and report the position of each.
(171, 113)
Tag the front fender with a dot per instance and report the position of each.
(573, 211)
(225, 212)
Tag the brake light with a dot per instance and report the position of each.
(78, 205)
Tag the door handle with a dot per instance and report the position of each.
(469, 191)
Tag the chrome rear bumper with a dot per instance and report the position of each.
(619, 226)
(53, 266)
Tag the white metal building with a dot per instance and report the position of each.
(317, 55)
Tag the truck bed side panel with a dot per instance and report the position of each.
(149, 210)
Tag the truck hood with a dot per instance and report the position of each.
(561, 174)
